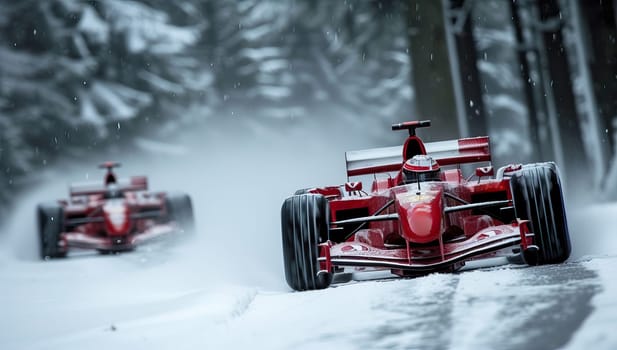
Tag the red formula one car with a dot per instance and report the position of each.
(424, 216)
(112, 216)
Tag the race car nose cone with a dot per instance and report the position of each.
(116, 218)
(421, 221)
(420, 216)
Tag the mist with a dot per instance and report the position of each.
(237, 177)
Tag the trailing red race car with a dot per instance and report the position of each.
(424, 216)
(116, 215)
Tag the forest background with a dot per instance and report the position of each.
(81, 77)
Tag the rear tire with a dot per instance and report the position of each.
(537, 197)
(304, 218)
(180, 209)
(51, 225)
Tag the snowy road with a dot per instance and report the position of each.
(132, 301)
(217, 290)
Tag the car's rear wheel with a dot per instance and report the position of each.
(538, 197)
(304, 218)
(180, 209)
(51, 225)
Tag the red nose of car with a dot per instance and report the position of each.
(421, 215)
(117, 221)
(423, 223)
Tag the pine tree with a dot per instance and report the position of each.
(73, 71)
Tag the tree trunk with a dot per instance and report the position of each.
(533, 98)
(431, 73)
(596, 140)
(469, 78)
(600, 18)
(567, 122)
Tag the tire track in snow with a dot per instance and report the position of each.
(421, 315)
(243, 304)
(598, 329)
(522, 308)
(163, 322)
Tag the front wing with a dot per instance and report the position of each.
(114, 243)
(425, 259)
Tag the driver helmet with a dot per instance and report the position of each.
(113, 191)
(421, 168)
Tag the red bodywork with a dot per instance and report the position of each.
(95, 220)
(426, 226)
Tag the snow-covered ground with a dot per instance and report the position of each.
(223, 288)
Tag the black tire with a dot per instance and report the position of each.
(323, 236)
(51, 225)
(304, 218)
(180, 209)
(538, 197)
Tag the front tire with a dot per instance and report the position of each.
(180, 209)
(51, 225)
(538, 197)
(304, 218)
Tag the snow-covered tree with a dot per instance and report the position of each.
(78, 75)
(290, 56)
(71, 72)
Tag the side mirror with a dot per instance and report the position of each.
(510, 168)
(485, 171)
(353, 186)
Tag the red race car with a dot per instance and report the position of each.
(116, 215)
(423, 215)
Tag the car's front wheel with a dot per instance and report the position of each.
(180, 209)
(304, 218)
(51, 225)
(538, 197)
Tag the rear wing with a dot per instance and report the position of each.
(135, 183)
(389, 159)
